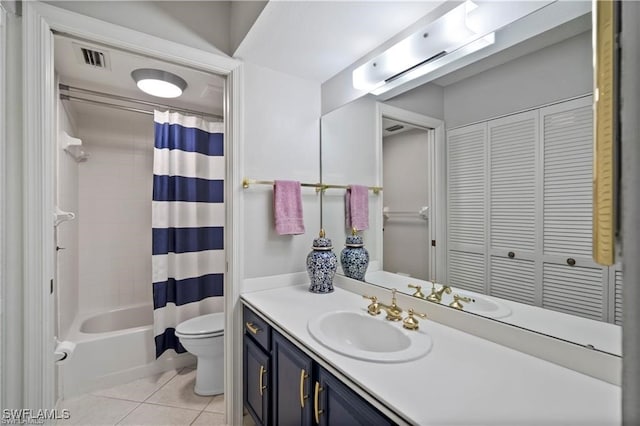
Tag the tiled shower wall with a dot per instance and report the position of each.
(115, 209)
(67, 236)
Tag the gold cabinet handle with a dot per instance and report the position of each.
(260, 386)
(316, 402)
(252, 328)
(303, 375)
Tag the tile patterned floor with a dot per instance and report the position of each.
(164, 399)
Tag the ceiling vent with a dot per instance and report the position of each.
(394, 128)
(91, 56)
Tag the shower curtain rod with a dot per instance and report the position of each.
(67, 88)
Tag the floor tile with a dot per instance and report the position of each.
(138, 390)
(156, 415)
(211, 419)
(95, 410)
(216, 405)
(247, 420)
(178, 392)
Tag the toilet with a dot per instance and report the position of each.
(203, 337)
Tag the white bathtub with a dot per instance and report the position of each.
(113, 348)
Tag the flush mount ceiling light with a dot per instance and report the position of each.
(463, 30)
(159, 83)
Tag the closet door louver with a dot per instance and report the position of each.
(466, 181)
(467, 270)
(574, 290)
(568, 179)
(513, 279)
(513, 147)
(466, 168)
(513, 144)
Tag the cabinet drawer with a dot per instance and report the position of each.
(256, 328)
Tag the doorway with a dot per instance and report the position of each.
(407, 184)
(39, 22)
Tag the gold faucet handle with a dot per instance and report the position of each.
(418, 292)
(457, 299)
(410, 322)
(434, 296)
(374, 307)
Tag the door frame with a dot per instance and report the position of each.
(437, 175)
(38, 21)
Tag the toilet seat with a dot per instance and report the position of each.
(211, 325)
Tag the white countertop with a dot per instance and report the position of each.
(584, 331)
(463, 379)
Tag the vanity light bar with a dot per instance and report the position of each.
(318, 186)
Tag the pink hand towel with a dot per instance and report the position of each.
(357, 207)
(287, 206)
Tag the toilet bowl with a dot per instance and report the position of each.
(203, 337)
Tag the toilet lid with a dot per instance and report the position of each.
(204, 324)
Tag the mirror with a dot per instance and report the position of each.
(487, 187)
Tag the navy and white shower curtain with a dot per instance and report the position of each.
(188, 217)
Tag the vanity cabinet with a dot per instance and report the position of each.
(292, 384)
(304, 393)
(257, 374)
(284, 386)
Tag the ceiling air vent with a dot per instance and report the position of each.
(394, 128)
(92, 57)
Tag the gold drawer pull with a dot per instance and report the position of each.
(252, 328)
(316, 402)
(303, 375)
(260, 386)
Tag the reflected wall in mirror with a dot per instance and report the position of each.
(501, 201)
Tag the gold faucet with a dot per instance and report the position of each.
(410, 323)
(374, 307)
(418, 292)
(457, 299)
(436, 295)
(394, 312)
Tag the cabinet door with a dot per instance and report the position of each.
(513, 191)
(572, 282)
(335, 404)
(256, 381)
(291, 390)
(466, 235)
(567, 132)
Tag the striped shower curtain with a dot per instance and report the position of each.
(188, 217)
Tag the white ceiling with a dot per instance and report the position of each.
(317, 39)
(203, 93)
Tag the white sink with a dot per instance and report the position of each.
(362, 336)
(482, 305)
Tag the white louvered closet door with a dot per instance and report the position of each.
(466, 170)
(512, 191)
(572, 282)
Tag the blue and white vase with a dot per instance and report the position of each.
(354, 257)
(321, 265)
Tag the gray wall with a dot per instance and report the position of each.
(630, 110)
(212, 26)
(558, 72)
(427, 99)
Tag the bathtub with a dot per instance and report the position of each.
(113, 348)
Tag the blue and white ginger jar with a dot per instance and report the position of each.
(354, 257)
(321, 265)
